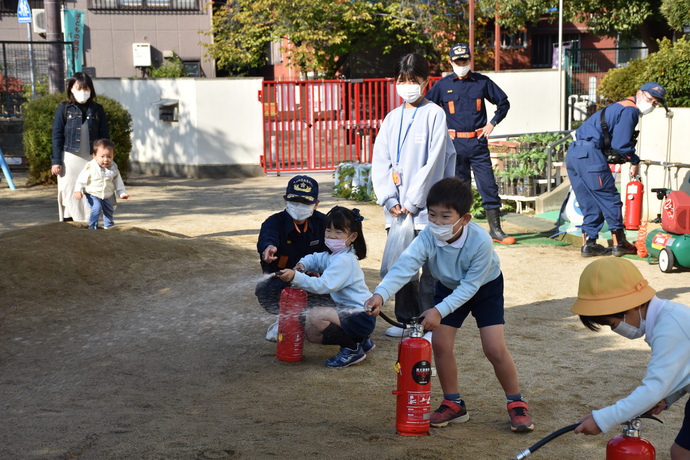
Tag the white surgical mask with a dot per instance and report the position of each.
(630, 332)
(444, 232)
(335, 245)
(299, 211)
(409, 93)
(644, 106)
(81, 96)
(461, 71)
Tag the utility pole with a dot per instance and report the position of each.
(56, 61)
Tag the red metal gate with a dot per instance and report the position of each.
(314, 125)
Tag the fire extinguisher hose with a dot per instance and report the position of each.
(549, 438)
(392, 322)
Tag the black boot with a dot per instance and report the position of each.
(494, 218)
(621, 246)
(590, 248)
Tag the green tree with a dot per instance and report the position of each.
(670, 67)
(627, 19)
(322, 33)
(676, 12)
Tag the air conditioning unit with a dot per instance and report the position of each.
(39, 21)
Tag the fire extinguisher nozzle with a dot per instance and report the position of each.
(523, 454)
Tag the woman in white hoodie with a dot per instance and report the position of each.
(412, 152)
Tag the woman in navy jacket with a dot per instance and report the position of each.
(76, 125)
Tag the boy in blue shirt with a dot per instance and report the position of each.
(461, 256)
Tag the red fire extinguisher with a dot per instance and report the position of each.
(413, 393)
(290, 329)
(633, 204)
(629, 445)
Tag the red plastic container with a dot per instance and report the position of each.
(675, 216)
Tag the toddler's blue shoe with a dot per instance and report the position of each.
(347, 357)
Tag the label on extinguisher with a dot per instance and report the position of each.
(421, 372)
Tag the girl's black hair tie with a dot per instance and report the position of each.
(358, 216)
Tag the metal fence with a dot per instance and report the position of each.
(585, 68)
(24, 70)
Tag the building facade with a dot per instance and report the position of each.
(117, 33)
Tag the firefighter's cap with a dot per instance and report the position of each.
(611, 285)
(302, 188)
(655, 90)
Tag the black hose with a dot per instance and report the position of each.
(394, 323)
(549, 438)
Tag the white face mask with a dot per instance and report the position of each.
(460, 71)
(335, 245)
(299, 211)
(630, 332)
(444, 232)
(409, 93)
(644, 106)
(81, 96)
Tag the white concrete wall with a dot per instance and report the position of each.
(533, 96)
(220, 122)
(653, 145)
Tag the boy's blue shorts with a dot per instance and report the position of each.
(355, 322)
(486, 305)
(683, 438)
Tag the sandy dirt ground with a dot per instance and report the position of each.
(146, 342)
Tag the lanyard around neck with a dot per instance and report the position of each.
(401, 139)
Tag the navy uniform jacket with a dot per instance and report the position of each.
(463, 101)
(622, 118)
(279, 230)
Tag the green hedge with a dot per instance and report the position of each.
(670, 67)
(38, 129)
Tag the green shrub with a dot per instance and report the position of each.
(670, 67)
(38, 129)
(171, 68)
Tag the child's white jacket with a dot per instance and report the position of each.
(100, 182)
(341, 277)
(667, 332)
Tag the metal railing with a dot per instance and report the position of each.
(550, 158)
(146, 5)
(24, 70)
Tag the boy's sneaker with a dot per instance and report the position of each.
(449, 412)
(520, 419)
(272, 333)
(347, 357)
(368, 345)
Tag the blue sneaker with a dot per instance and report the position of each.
(368, 345)
(347, 357)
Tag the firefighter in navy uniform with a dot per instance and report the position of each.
(285, 238)
(607, 137)
(462, 96)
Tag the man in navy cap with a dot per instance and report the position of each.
(462, 96)
(607, 137)
(286, 237)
